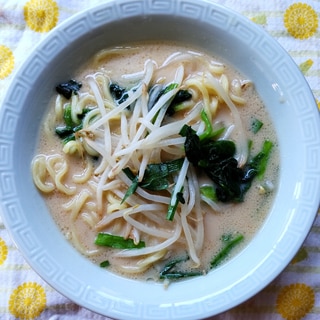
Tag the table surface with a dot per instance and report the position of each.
(295, 293)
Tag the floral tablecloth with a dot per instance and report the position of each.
(294, 294)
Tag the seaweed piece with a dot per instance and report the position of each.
(118, 93)
(68, 88)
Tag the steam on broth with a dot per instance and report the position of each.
(159, 161)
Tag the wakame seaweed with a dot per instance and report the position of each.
(68, 88)
(118, 93)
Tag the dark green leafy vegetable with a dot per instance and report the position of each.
(216, 159)
(229, 242)
(202, 152)
(169, 271)
(229, 179)
(67, 133)
(68, 88)
(64, 131)
(180, 97)
(256, 125)
(191, 145)
(156, 176)
(117, 242)
(105, 264)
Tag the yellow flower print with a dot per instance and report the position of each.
(41, 15)
(295, 301)
(3, 251)
(301, 20)
(6, 61)
(27, 301)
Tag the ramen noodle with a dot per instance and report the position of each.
(157, 161)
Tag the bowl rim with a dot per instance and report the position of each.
(107, 300)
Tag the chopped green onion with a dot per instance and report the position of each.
(230, 243)
(128, 172)
(208, 192)
(169, 87)
(132, 188)
(180, 274)
(256, 125)
(105, 264)
(207, 133)
(172, 208)
(260, 161)
(168, 273)
(117, 242)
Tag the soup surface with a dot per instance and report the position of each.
(158, 161)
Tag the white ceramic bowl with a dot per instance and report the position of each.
(285, 94)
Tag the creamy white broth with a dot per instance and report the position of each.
(240, 218)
